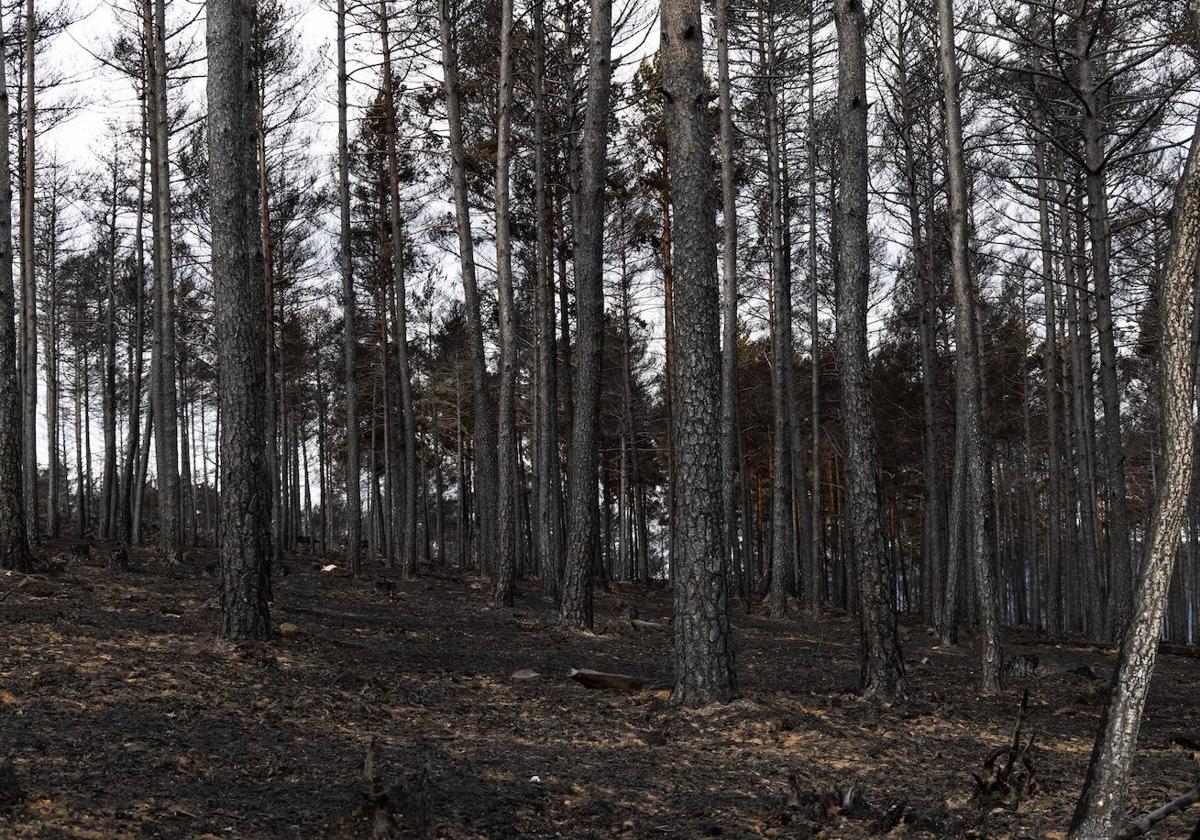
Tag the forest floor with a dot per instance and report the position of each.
(124, 716)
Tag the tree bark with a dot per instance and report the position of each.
(783, 536)
(29, 287)
(704, 671)
(1120, 577)
(582, 523)
(882, 676)
(166, 421)
(968, 407)
(14, 546)
(237, 266)
(549, 499)
(109, 489)
(408, 554)
(1101, 801)
(349, 334)
(729, 292)
(486, 479)
(506, 438)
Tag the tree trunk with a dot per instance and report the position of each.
(14, 547)
(109, 489)
(549, 499)
(703, 654)
(783, 538)
(349, 334)
(582, 525)
(729, 293)
(882, 668)
(1120, 578)
(1102, 799)
(126, 492)
(506, 451)
(237, 266)
(968, 409)
(1050, 364)
(166, 421)
(486, 478)
(814, 590)
(408, 554)
(29, 287)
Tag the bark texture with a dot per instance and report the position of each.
(485, 430)
(1101, 802)
(582, 518)
(237, 271)
(882, 667)
(703, 655)
(967, 397)
(14, 548)
(506, 566)
(349, 334)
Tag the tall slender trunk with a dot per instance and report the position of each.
(882, 668)
(933, 508)
(815, 585)
(1101, 801)
(506, 454)
(109, 489)
(349, 334)
(486, 478)
(704, 670)
(29, 286)
(53, 450)
(1120, 578)
(166, 421)
(1054, 557)
(271, 419)
(14, 547)
(582, 521)
(729, 289)
(237, 272)
(783, 543)
(408, 554)
(549, 499)
(130, 489)
(968, 408)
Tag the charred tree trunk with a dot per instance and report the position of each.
(349, 334)
(506, 446)
(237, 266)
(29, 288)
(14, 546)
(968, 407)
(783, 537)
(729, 290)
(582, 522)
(549, 499)
(703, 655)
(408, 537)
(166, 420)
(486, 480)
(882, 668)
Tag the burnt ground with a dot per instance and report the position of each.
(124, 716)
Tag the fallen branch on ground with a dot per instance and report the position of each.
(601, 679)
(1181, 803)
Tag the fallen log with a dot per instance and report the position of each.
(603, 680)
